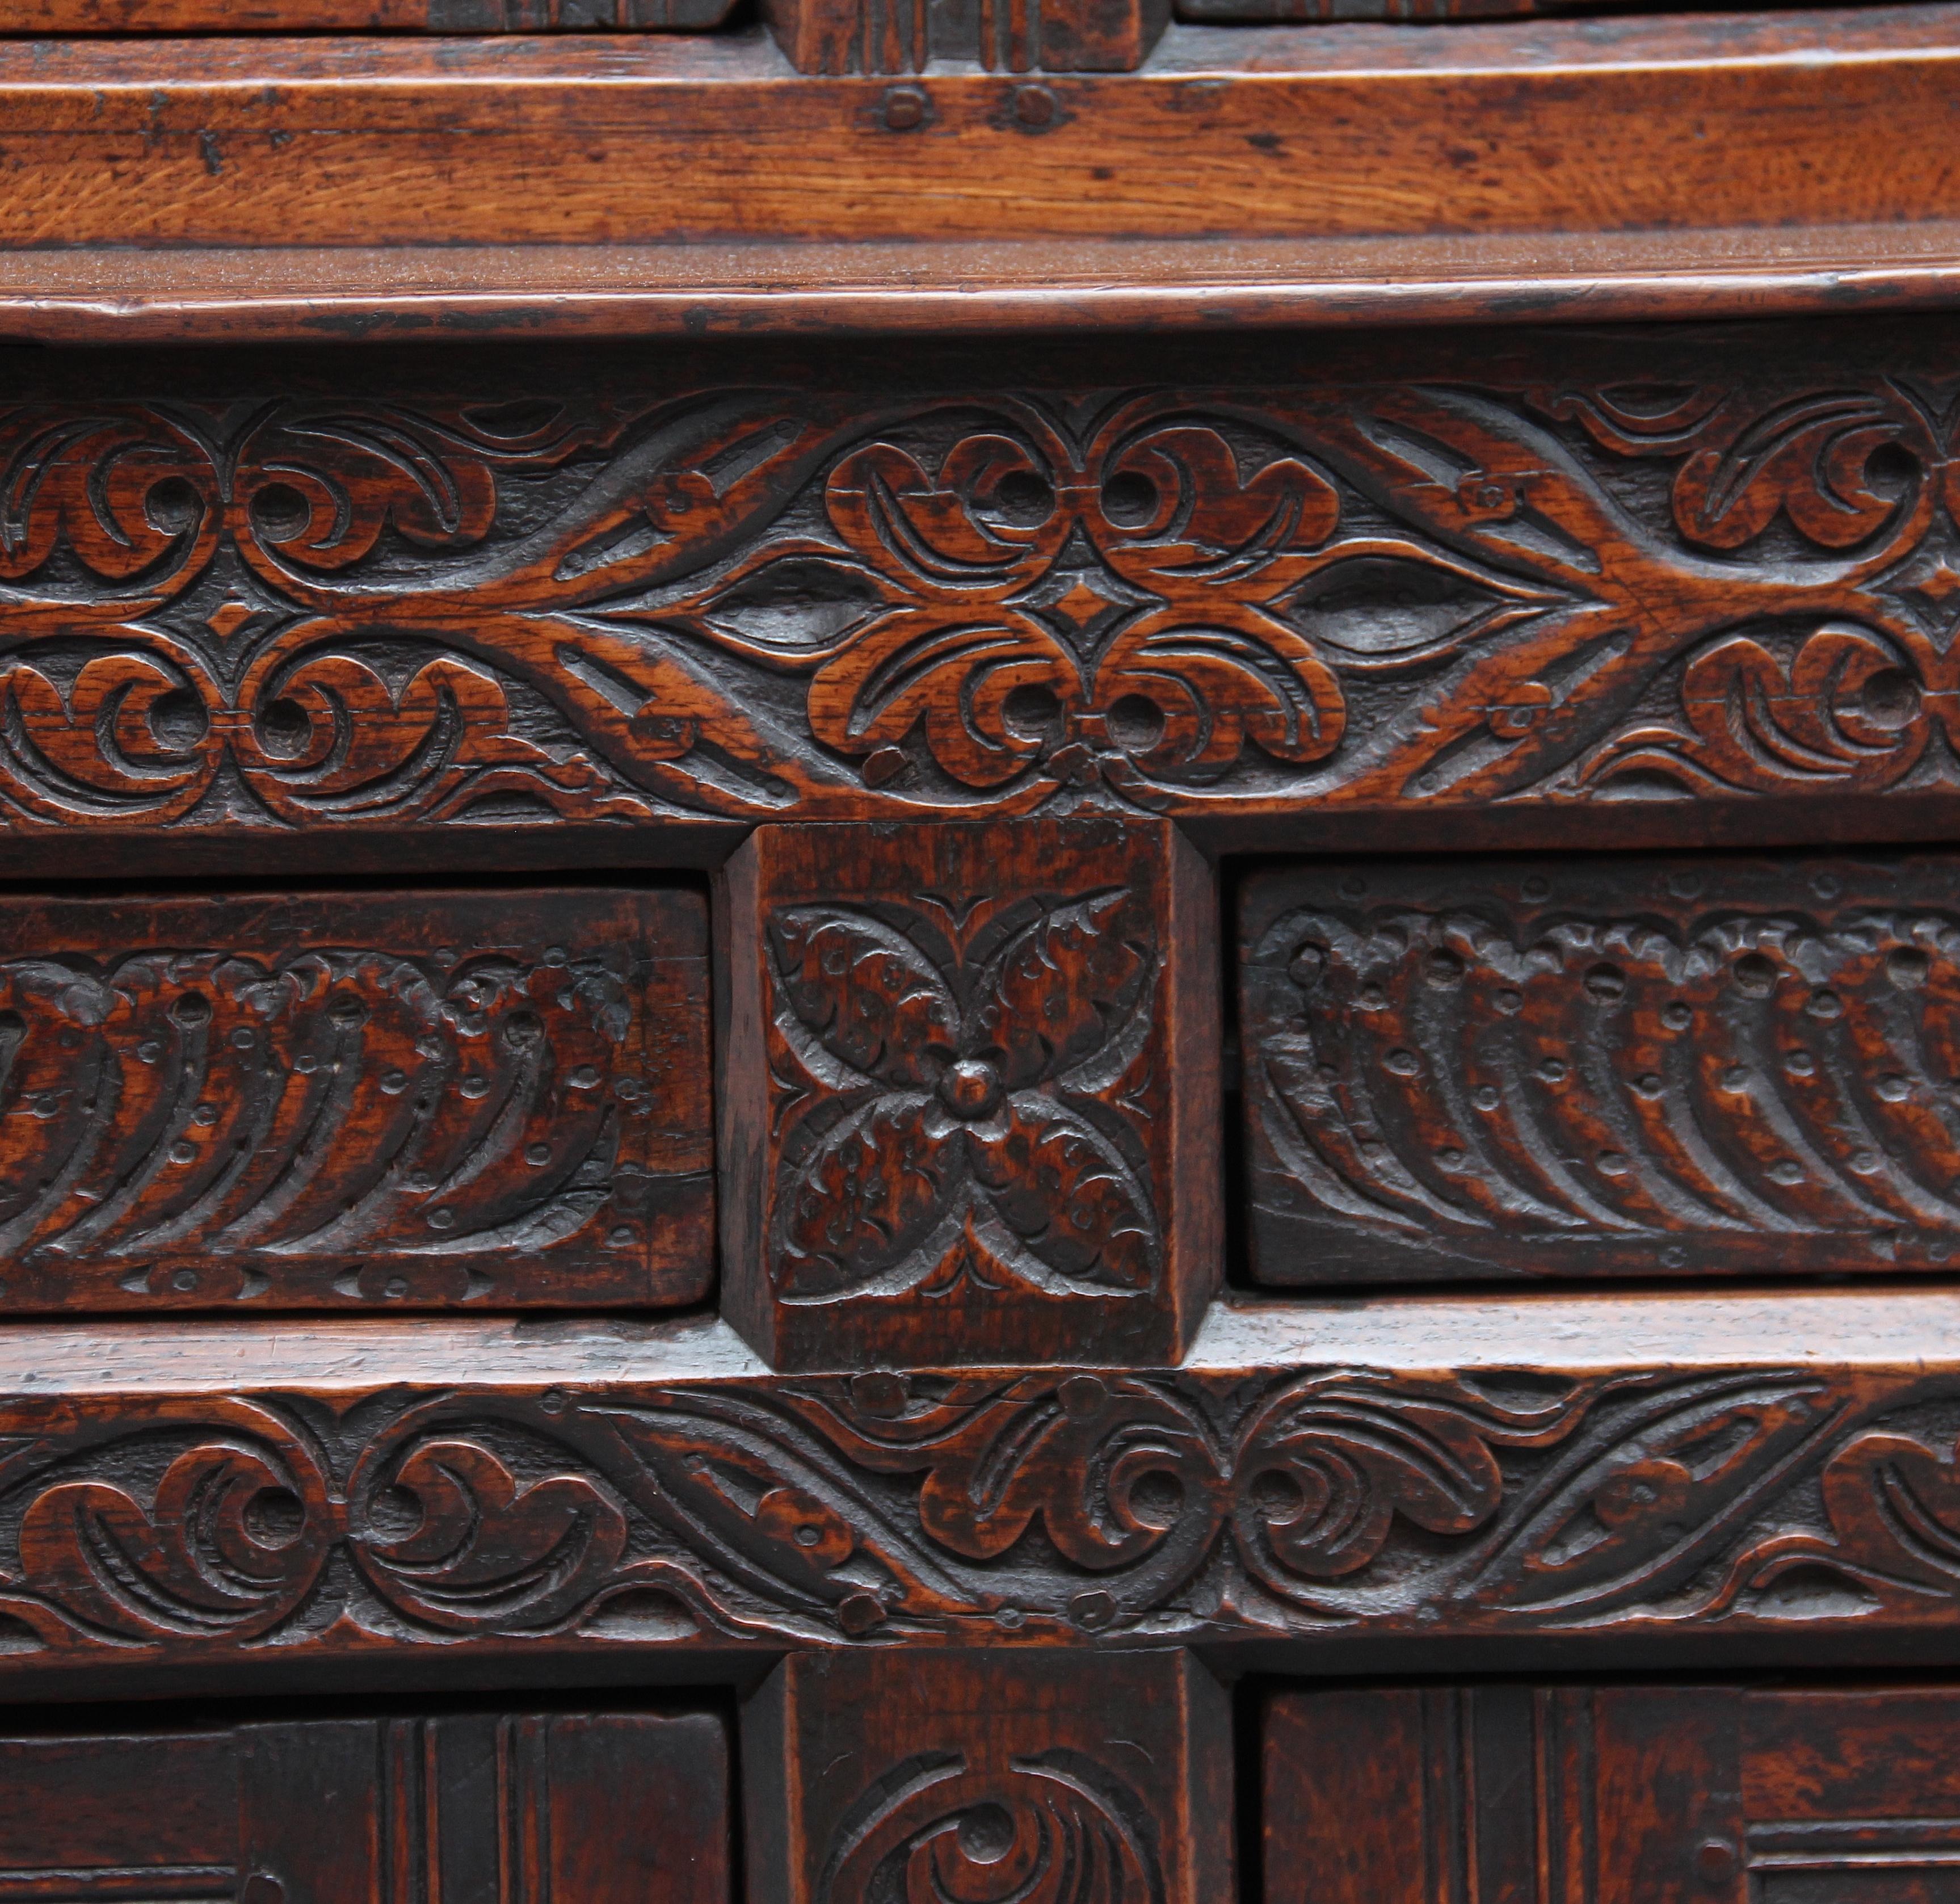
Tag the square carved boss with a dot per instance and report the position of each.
(969, 1112)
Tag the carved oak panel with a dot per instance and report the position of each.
(324, 1099)
(1602, 1066)
(1575, 575)
(915, 1778)
(969, 1112)
(366, 1491)
(1612, 1794)
(572, 1808)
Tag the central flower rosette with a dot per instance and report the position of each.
(959, 1107)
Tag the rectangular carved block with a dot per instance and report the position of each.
(407, 1099)
(1577, 1794)
(888, 1776)
(575, 1808)
(969, 1099)
(1604, 1067)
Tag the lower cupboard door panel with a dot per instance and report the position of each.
(471, 1808)
(1613, 1794)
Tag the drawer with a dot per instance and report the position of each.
(1613, 1794)
(578, 1808)
(407, 1099)
(1601, 1066)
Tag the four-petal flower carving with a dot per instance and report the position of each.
(956, 1128)
(1117, 603)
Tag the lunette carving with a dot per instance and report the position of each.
(1045, 1827)
(751, 603)
(1712, 1065)
(255, 1109)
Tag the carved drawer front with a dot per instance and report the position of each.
(563, 1808)
(1578, 1794)
(409, 1099)
(1602, 1067)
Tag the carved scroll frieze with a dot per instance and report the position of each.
(949, 1100)
(1617, 1066)
(325, 1099)
(1070, 1507)
(1686, 573)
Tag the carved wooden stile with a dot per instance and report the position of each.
(916, 1776)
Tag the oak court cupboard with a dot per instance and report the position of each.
(979, 952)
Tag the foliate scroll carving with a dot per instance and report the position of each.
(1627, 1067)
(958, 1094)
(1076, 1507)
(1590, 571)
(992, 1779)
(327, 1100)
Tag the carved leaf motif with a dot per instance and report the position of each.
(317, 488)
(1057, 991)
(1323, 1474)
(865, 994)
(132, 495)
(861, 1211)
(1641, 1502)
(224, 1545)
(487, 1551)
(1067, 1196)
(1893, 1501)
(1844, 711)
(877, 1197)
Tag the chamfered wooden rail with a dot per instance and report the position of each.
(1589, 1474)
(1242, 176)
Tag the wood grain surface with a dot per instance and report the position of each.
(312, 1100)
(969, 1113)
(916, 1777)
(1548, 1794)
(66, 18)
(596, 1808)
(1609, 1065)
(1692, 122)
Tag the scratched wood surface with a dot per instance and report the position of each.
(1683, 122)
(405, 1100)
